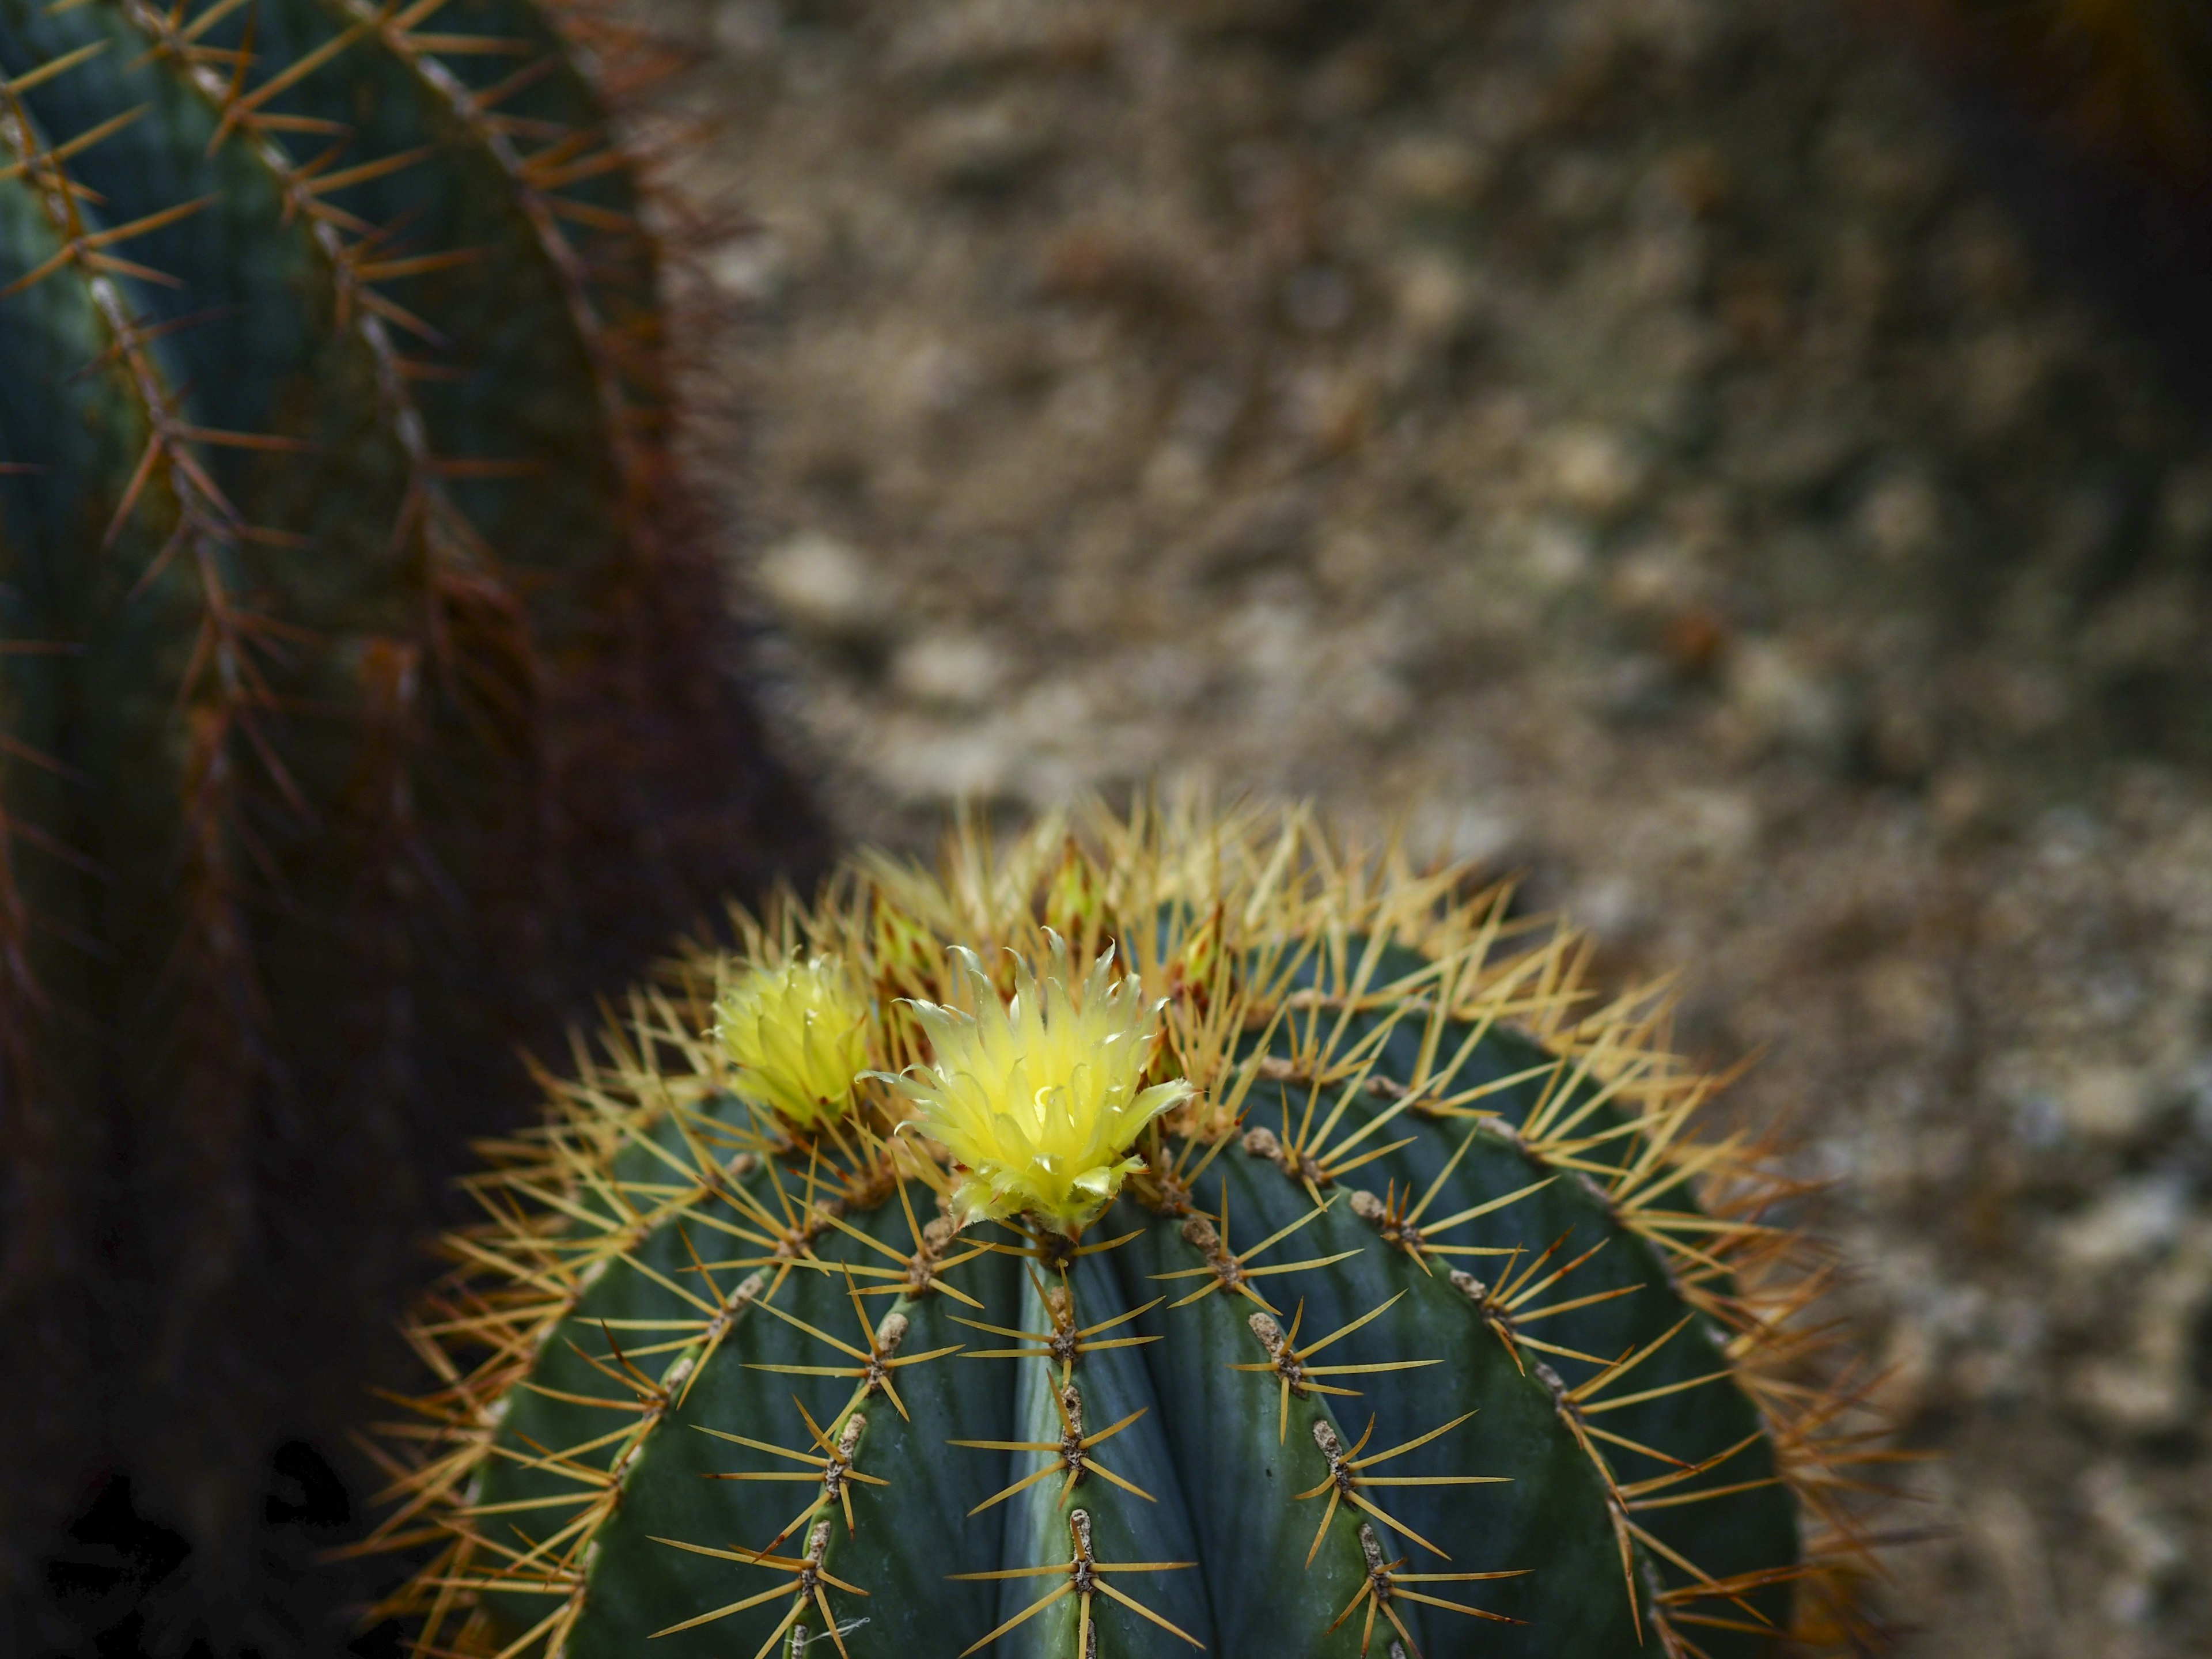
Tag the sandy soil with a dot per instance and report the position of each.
(1627, 436)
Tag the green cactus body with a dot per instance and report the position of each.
(355, 691)
(1409, 1331)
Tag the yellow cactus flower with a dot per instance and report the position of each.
(1037, 1099)
(798, 1036)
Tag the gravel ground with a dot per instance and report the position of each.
(1628, 437)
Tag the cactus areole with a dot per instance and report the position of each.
(1230, 1244)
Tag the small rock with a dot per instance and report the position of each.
(1177, 477)
(1662, 266)
(2002, 1531)
(1693, 640)
(1435, 299)
(1331, 410)
(936, 377)
(1719, 826)
(987, 148)
(1911, 1368)
(1592, 470)
(2142, 1539)
(927, 764)
(1433, 172)
(1638, 688)
(747, 28)
(1375, 701)
(2142, 1380)
(1908, 1000)
(1477, 835)
(820, 585)
(1781, 699)
(1959, 798)
(1351, 560)
(2154, 625)
(955, 670)
(1555, 555)
(1165, 678)
(754, 269)
(1318, 299)
(1902, 518)
(2107, 1105)
(2184, 507)
(2133, 1221)
(1699, 178)
(2000, 379)
(1656, 578)
(2127, 1398)
(1609, 908)
(1271, 639)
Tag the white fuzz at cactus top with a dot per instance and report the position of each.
(1037, 1098)
(798, 1036)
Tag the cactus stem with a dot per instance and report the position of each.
(918, 1273)
(1289, 1362)
(1345, 1478)
(1505, 1307)
(876, 1361)
(1409, 1233)
(496, 135)
(1087, 1578)
(1234, 1271)
(818, 1190)
(1072, 1450)
(1065, 1343)
(831, 1465)
(1384, 1583)
(1056, 1250)
(808, 1575)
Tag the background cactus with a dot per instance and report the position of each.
(362, 702)
(1424, 1320)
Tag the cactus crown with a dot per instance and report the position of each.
(1320, 1271)
(797, 1034)
(1039, 1099)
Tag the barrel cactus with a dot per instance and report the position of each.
(360, 706)
(1187, 1233)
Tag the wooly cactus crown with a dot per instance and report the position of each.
(1183, 1234)
(360, 705)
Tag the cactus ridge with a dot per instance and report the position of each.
(1429, 1322)
(360, 703)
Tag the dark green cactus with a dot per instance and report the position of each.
(1400, 1324)
(361, 701)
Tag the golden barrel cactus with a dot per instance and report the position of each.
(1226, 1242)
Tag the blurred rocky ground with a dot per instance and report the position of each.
(1636, 439)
